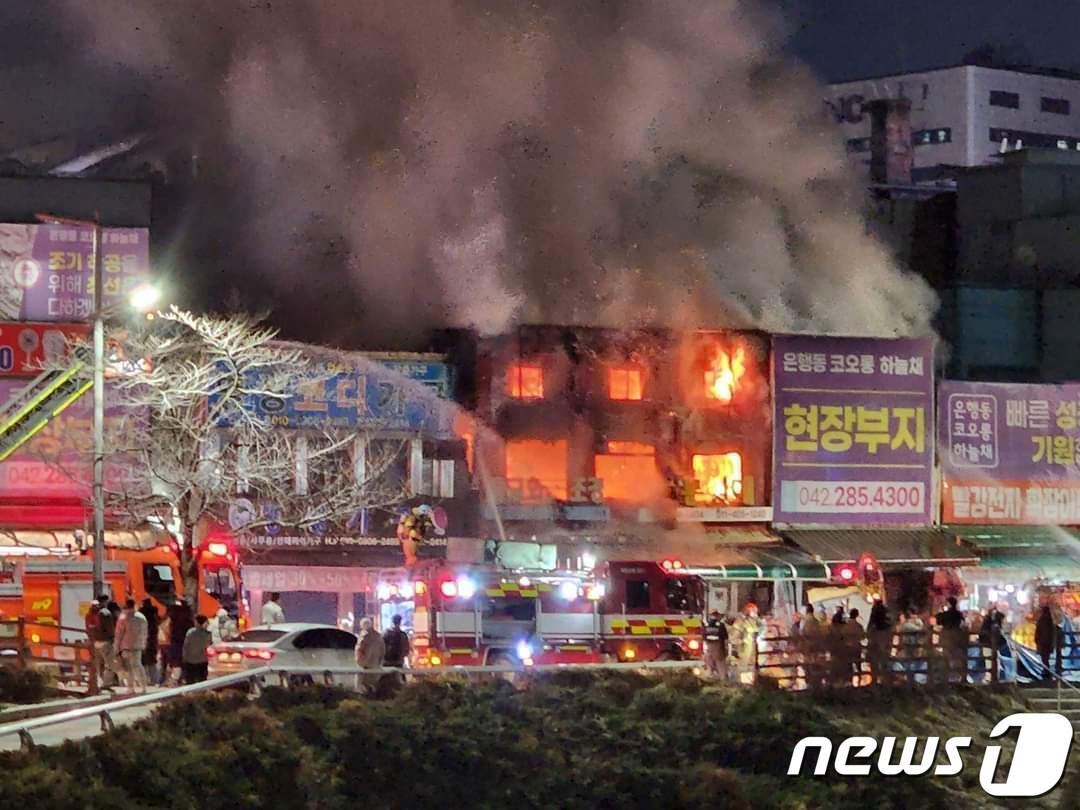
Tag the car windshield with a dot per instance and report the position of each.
(259, 636)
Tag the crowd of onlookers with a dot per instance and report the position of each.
(136, 646)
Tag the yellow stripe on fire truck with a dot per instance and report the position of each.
(655, 627)
(516, 589)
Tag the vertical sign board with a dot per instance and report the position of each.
(1010, 453)
(853, 440)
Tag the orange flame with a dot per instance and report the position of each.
(719, 477)
(722, 377)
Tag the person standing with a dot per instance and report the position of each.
(716, 646)
(953, 639)
(150, 654)
(223, 628)
(193, 661)
(104, 629)
(1046, 638)
(181, 620)
(853, 636)
(370, 652)
(271, 611)
(131, 640)
(879, 640)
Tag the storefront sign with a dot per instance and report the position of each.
(335, 543)
(25, 348)
(853, 430)
(1010, 453)
(47, 271)
(369, 394)
(724, 514)
(312, 578)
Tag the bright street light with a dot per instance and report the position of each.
(145, 297)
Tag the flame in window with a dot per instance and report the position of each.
(725, 370)
(719, 477)
(624, 382)
(526, 381)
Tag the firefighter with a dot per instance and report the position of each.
(748, 627)
(716, 645)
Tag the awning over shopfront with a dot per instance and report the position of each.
(890, 547)
(31, 542)
(764, 562)
(1014, 555)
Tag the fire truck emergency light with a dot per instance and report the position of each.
(466, 588)
(671, 565)
(419, 588)
(568, 591)
(596, 592)
(845, 573)
(218, 549)
(448, 589)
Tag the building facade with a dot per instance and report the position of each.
(964, 115)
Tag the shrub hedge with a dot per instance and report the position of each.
(571, 740)
(19, 685)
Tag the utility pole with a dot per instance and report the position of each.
(99, 415)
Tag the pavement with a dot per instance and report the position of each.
(74, 729)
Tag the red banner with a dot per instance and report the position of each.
(1023, 503)
(25, 348)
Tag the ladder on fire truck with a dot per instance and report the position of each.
(35, 405)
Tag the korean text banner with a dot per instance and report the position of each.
(1010, 453)
(47, 271)
(373, 395)
(853, 430)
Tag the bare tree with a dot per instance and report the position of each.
(194, 442)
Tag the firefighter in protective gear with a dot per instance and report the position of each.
(716, 645)
(414, 528)
(748, 628)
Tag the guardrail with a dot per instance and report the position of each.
(256, 677)
(889, 657)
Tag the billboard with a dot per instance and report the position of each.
(25, 348)
(853, 433)
(57, 463)
(370, 395)
(47, 271)
(1010, 453)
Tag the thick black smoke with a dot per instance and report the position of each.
(486, 162)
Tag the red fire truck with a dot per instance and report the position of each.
(473, 614)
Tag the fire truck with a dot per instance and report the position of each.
(53, 592)
(489, 615)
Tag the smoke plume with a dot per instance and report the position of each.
(489, 162)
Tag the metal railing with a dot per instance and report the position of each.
(104, 711)
(255, 678)
(889, 657)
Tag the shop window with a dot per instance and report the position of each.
(526, 381)
(719, 477)
(536, 469)
(628, 472)
(625, 383)
(724, 373)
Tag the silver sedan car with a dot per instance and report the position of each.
(313, 647)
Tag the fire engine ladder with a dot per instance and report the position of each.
(31, 409)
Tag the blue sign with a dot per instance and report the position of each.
(387, 394)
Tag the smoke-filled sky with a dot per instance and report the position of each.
(376, 168)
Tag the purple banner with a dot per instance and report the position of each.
(47, 271)
(1010, 453)
(853, 437)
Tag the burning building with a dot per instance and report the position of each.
(607, 436)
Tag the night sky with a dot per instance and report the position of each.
(850, 39)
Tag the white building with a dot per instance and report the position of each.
(962, 116)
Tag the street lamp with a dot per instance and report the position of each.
(145, 300)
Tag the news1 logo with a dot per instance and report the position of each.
(1038, 761)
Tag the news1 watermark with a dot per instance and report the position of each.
(1038, 761)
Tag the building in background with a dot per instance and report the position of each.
(964, 115)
